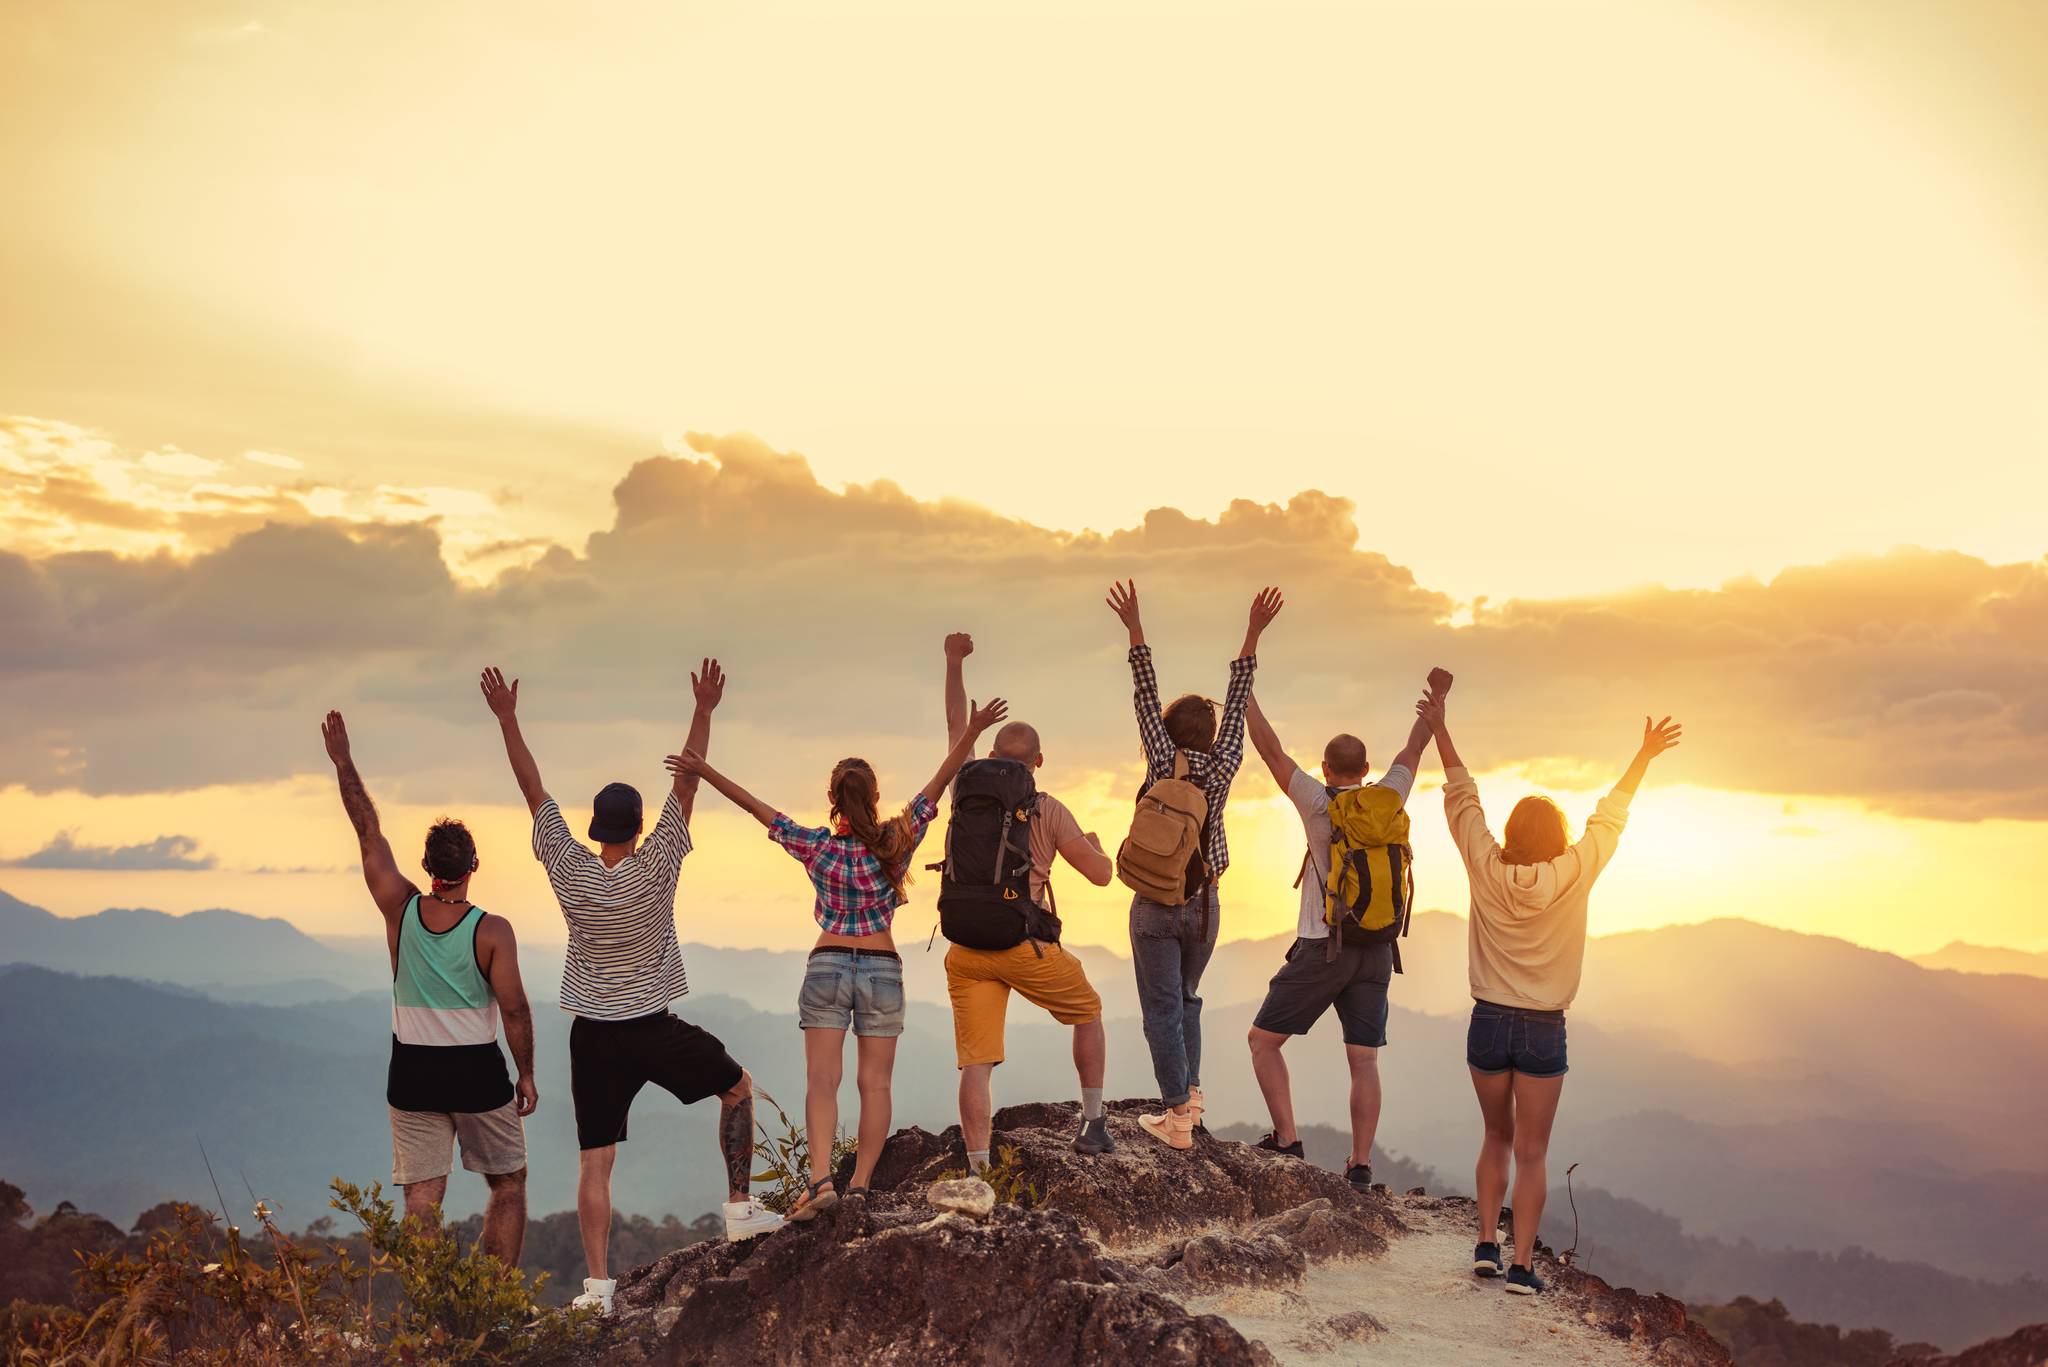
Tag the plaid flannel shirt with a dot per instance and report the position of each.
(855, 896)
(1211, 771)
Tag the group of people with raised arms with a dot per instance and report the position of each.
(456, 976)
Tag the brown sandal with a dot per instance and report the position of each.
(820, 1195)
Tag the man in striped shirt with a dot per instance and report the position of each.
(623, 969)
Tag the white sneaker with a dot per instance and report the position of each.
(747, 1219)
(597, 1293)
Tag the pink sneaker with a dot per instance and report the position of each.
(1175, 1129)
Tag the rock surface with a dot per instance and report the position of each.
(964, 1195)
(1142, 1255)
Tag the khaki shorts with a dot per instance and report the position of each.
(423, 1142)
(980, 982)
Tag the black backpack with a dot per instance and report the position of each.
(985, 879)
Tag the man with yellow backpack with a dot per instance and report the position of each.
(1356, 894)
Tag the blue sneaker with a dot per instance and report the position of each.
(1523, 1281)
(1486, 1260)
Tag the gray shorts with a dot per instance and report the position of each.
(847, 987)
(1310, 983)
(423, 1142)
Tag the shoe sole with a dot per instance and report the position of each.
(1486, 1269)
(1161, 1134)
(1516, 1289)
(743, 1235)
(825, 1200)
(1091, 1150)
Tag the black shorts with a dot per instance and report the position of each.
(1515, 1039)
(1310, 983)
(610, 1061)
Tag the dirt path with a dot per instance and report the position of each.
(1432, 1309)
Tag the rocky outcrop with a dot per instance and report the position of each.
(2026, 1347)
(1096, 1259)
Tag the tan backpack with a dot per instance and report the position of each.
(1165, 838)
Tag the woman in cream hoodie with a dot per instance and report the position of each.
(1528, 944)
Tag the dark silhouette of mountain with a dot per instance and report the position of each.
(197, 948)
(1764, 1334)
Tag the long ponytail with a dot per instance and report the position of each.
(853, 790)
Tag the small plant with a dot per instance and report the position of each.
(199, 1296)
(1005, 1176)
(785, 1157)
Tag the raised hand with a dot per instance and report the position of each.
(688, 763)
(334, 731)
(708, 683)
(1660, 737)
(981, 719)
(1265, 607)
(1123, 601)
(959, 645)
(501, 698)
(1439, 681)
(1430, 707)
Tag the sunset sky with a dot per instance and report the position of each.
(1656, 357)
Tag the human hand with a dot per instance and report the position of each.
(1265, 607)
(334, 731)
(981, 719)
(1430, 707)
(1123, 601)
(687, 764)
(708, 683)
(959, 645)
(1663, 736)
(500, 698)
(1439, 681)
(527, 1094)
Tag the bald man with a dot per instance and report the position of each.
(980, 981)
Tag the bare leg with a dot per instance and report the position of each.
(977, 1105)
(1490, 1179)
(736, 1136)
(1535, 1109)
(594, 1207)
(505, 1216)
(1271, 1071)
(824, 1066)
(423, 1199)
(874, 1062)
(1365, 1099)
(1091, 1056)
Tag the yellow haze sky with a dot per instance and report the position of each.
(1565, 300)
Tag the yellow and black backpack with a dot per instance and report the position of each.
(1370, 887)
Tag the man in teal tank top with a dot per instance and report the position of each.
(454, 978)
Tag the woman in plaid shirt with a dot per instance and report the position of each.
(858, 866)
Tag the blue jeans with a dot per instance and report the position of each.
(843, 986)
(1170, 946)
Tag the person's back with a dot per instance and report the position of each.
(623, 958)
(444, 1015)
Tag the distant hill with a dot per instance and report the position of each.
(1958, 957)
(202, 947)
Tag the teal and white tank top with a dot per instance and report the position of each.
(444, 1021)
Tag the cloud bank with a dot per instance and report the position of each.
(1915, 681)
(175, 853)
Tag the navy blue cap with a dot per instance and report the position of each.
(615, 814)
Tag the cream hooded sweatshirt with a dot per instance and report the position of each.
(1528, 923)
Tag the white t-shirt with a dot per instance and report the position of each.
(1312, 800)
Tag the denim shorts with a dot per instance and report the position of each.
(1504, 1039)
(860, 988)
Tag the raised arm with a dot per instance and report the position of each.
(1228, 751)
(693, 764)
(1462, 811)
(1419, 734)
(1663, 736)
(1265, 607)
(389, 888)
(503, 700)
(1429, 713)
(708, 684)
(1123, 601)
(496, 942)
(1267, 742)
(959, 645)
(979, 719)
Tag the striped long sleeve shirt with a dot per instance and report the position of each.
(1213, 769)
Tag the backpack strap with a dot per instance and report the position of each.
(1180, 763)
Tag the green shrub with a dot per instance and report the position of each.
(784, 1156)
